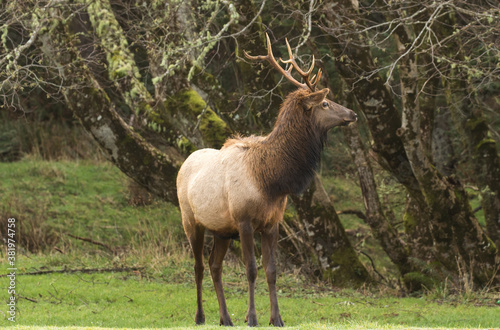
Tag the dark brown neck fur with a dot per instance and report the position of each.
(284, 162)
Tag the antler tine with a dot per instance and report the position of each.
(314, 81)
(306, 75)
(270, 58)
(294, 63)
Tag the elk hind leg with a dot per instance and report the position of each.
(215, 262)
(196, 237)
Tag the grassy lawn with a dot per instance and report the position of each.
(54, 202)
(132, 300)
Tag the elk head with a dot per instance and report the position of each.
(325, 112)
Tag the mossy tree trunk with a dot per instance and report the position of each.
(470, 121)
(381, 228)
(453, 224)
(383, 120)
(326, 239)
(122, 70)
(443, 151)
(383, 231)
(484, 157)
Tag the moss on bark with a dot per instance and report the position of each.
(196, 114)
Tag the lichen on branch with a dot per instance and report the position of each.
(122, 68)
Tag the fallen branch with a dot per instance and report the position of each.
(79, 270)
(85, 239)
(29, 299)
(374, 268)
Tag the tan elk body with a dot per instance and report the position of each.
(242, 188)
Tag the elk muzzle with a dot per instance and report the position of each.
(350, 117)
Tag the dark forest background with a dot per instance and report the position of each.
(152, 81)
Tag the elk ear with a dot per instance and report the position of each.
(314, 98)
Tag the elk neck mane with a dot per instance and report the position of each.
(284, 161)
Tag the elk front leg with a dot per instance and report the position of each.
(269, 243)
(215, 261)
(247, 245)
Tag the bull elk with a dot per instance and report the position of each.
(242, 188)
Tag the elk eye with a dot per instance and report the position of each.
(325, 104)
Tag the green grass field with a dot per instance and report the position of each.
(131, 300)
(53, 200)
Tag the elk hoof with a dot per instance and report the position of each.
(226, 322)
(277, 322)
(251, 320)
(199, 318)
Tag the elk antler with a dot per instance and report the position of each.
(311, 83)
(288, 73)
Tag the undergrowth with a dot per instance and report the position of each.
(46, 135)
